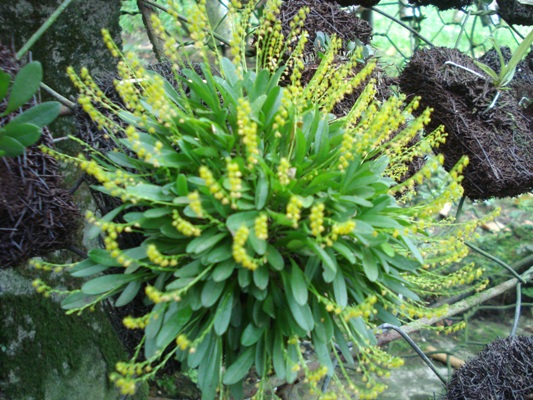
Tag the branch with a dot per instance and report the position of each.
(146, 13)
(456, 308)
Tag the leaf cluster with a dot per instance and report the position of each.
(24, 129)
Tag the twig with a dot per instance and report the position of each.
(415, 348)
(517, 308)
(63, 100)
(457, 308)
(396, 20)
(51, 19)
(496, 260)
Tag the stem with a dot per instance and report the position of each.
(396, 20)
(44, 27)
(454, 309)
(63, 100)
(517, 309)
(415, 348)
(466, 69)
(496, 260)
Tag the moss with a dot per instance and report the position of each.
(38, 341)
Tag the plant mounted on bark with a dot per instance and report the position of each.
(264, 220)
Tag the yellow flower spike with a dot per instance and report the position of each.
(234, 175)
(239, 252)
(283, 171)
(196, 204)
(261, 227)
(183, 226)
(214, 187)
(317, 219)
(247, 129)
(294, 208)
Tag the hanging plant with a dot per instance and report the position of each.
(264, 220)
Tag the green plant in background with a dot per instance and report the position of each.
(24, 129)
(264, 221)
(507, 71)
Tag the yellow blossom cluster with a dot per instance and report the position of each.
(214, 187)
(247, 129)
(196, 204)
(317, 219)
(155, 256)
(283, 171)
(184, 226)
(136, 323)
(235, 181)
(294, 210)
(239, 252)
(261, 226)
(182, 342)
(158, 296)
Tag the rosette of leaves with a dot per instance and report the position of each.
(264, 220)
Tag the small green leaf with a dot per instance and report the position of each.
(329, 262)
(261, 191)
(261, 277)
(278, 359)
(10, 146)
(370, 265)
(40, 115)
(77, 300)
(251, 334)
(339, 290)
(205, 242)
(149, 192)
(5, 80)
(274, 258)
(298, 284)
(128, 294)
(102, 256)
(107, 283)
(246, 218)
(223, 270)
(223, 314)
(172, 325)
(240, 367)
(211, 292)
(181, 185)
(25, 85)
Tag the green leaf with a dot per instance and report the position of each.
(15, 138)
(301, 313)
(298, 284)
(157, 212)
(261, 191)
(149, 192)
(107, 283)
(25, 85)
(246, 218)
(182, 187)
(278, 359)
(223, 314)
(77, 300)
(223, 270)
(211, 292)
(329, 262)
(40, 115)
(220, 253)
(84, 270)
(339, 290)
(240, 367)
(5, 80)
(344, 251)
(128, 294)
(251, 334)
(204, 242)
(229, 71)
(102, 256)
(209, 371)
(172, 325)
(518, 54)
(370, 265)
(274, 258)
(261, 277)
(488, 70)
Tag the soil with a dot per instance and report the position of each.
(497, 140)
(36, 214)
